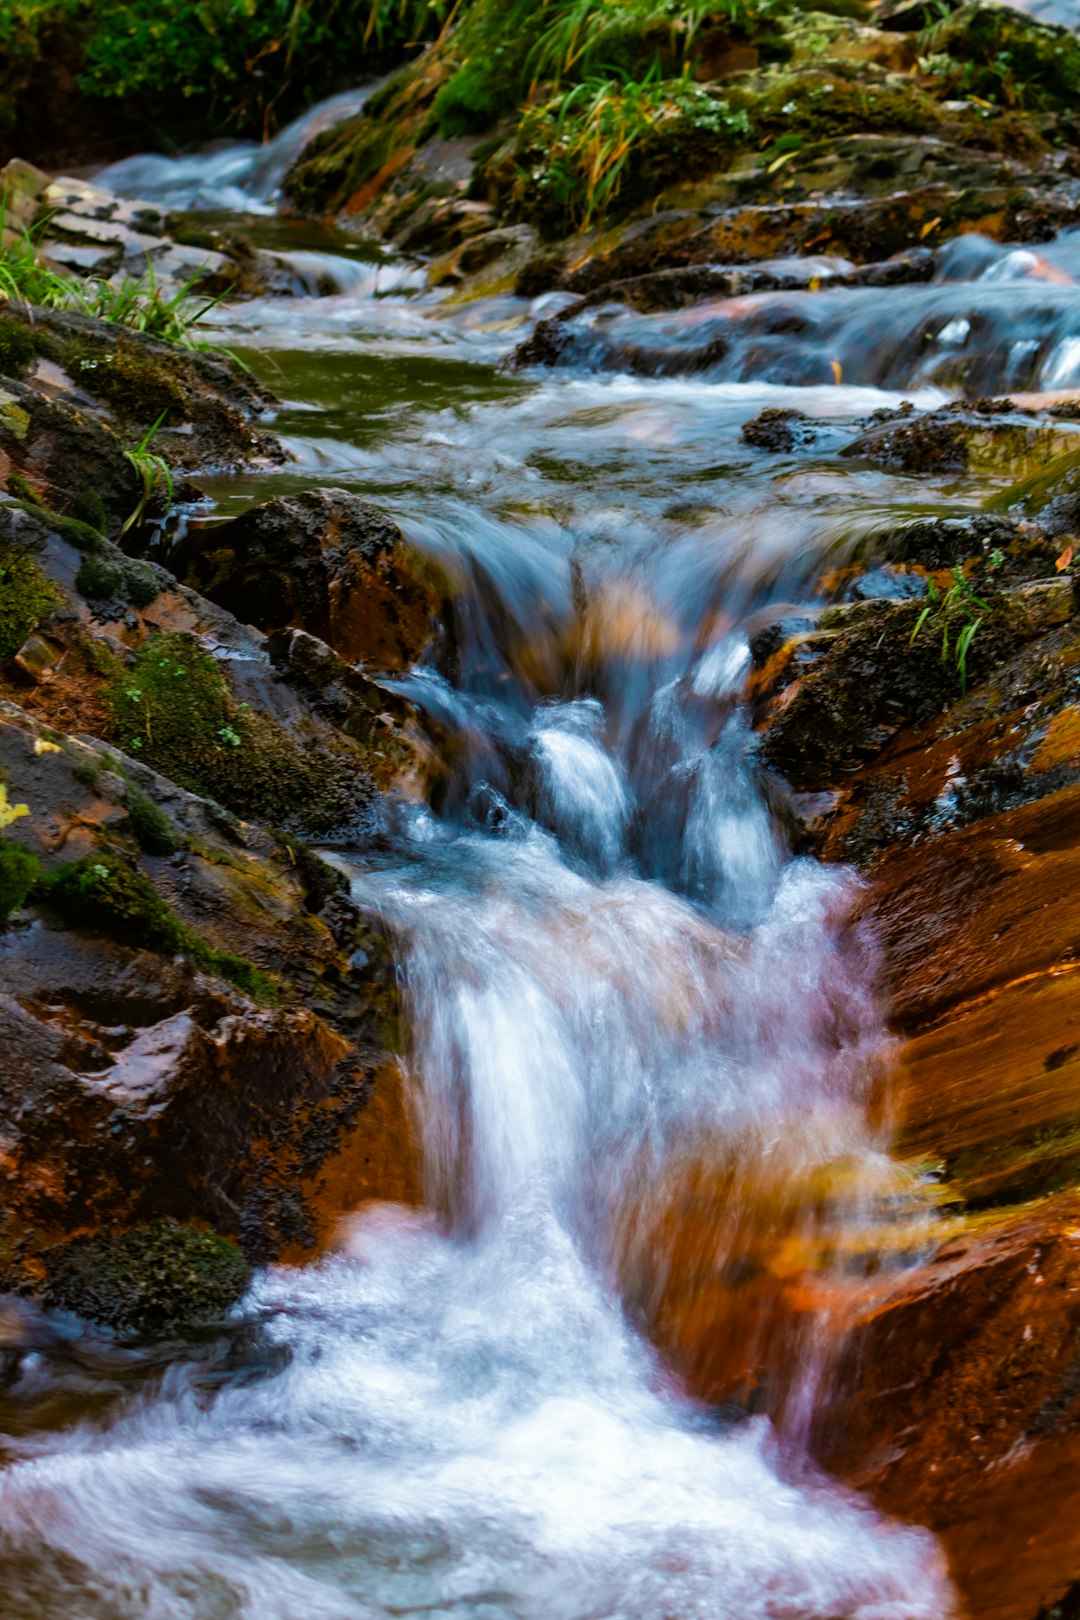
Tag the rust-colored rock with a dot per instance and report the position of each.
(325, 561)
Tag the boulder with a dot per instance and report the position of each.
(325, 561)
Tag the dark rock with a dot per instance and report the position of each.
(124, 378)
(326, 561)
(872, 679)
(779, 430)
(155, 1281)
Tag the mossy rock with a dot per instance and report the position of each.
(996, 53)
(1051, 495)
(157, 1281)
(27, 598)
(820, 105)
(104, 894)
(175, 710)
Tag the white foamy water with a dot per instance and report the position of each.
(243, 175)
(465, 1424)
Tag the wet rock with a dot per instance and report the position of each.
(386, 724)
(987, 435)
(85, 394)
(881, 670)
(325, 561)
(940, 542)
(137, 1087)
(779, 430)
(955, 1404)
(156, 1281)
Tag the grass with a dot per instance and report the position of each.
(149, 469)
(586, 34)
(137, 302)
(585, 147)
(955, 615)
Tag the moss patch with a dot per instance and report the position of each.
(98, 579)
(138, 387)
(176, 711)
(998, 54)
(153, 831)
(104, 894)
(27, 597)
(20, 869)
(157, 1281)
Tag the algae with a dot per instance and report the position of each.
(158, 1280)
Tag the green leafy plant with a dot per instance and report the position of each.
(23, 278)
(952, 615)
(140, 304)
(149, 469)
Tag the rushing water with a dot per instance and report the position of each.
(612, 969)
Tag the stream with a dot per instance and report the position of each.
(611, 964)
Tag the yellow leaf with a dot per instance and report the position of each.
(837, 372)
(931, 225)
(778, 163)
(1065, 559)
(815, 283)
(43, 747)
(10, 812)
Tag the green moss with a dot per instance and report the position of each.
(338, 163)
(159, 1280)
(102, 579)
(154, 832)
(25, 492)
(137, 387)
(88, 507)
(104, 894)
(177, 713)
(142, 585)
(821, 106)
(27, 597)
(1058, 483)
(18, 348)
(98, 580)
(998, 54)
(20, 870)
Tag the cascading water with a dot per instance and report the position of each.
(614, 977)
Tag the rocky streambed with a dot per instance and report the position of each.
(575, 770)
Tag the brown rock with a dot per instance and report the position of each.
(325, 561)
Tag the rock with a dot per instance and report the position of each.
(78, 392)
(326, 561)
(387, 725)
(22, 186)
(778, 430)
(880, 670)
(158, 1280)
(137, 1087)
(990, 435)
